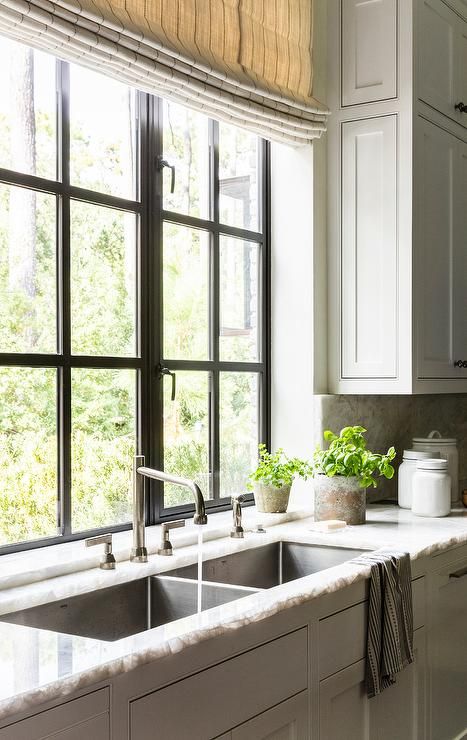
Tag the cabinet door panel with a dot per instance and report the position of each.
(435, 250)
(449, 652)
(437, 55)
(460, 258)
(287, 721)
(369, 248)
(369, 51)
(461, 69)
(399, 712)
(344, 708)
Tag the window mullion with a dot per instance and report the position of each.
(152, 248)
(64, 308)
(214, 452)
(265, 283)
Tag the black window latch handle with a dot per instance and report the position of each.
(165, 371)
(161, 163)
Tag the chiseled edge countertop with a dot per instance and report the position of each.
(38, 665)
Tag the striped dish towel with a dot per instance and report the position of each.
(390, 618)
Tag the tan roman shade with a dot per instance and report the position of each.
(248, 62)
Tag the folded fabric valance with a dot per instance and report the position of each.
(247, 62)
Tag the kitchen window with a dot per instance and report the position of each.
(134, 290)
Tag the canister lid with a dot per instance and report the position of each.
(418, 454)
(435, 438)
(433, 463)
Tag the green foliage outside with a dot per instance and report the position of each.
(103, 303)
(347, 455)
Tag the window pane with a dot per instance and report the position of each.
(27, 110)
(28, 454)
(239, 299)
(185, 277)
(103, 150)
(238, 177)
(186, 435)
(27, 271)
(239, 398)
(103, 281)
(103, 405)
(186, 146)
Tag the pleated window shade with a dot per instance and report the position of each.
(247, 62)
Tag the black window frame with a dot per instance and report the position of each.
(148, 361)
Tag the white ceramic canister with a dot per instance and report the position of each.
(447, 449)
(405, 475)
(431, 488)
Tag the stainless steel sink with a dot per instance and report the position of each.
(270, 565)
(119, 611)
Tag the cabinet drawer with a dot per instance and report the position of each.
(215, 700)
(342, 636)
(86, 717)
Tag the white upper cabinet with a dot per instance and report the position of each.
(435, 249)
(397, 196)
(369, 248)
(442, 59)
(437, 63)
(369, 51)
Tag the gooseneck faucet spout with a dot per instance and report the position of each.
(139, 553)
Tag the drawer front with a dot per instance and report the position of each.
(86, 717)
(342, 637)
(97, 728)
(219, 698)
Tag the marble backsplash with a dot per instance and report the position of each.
(394, 420)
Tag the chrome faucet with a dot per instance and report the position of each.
(107, 561)
(237, 529)
(139, 553)
(166, 545)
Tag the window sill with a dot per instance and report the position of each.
(32, 566)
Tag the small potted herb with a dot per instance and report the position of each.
(272, 480)
(343, 472)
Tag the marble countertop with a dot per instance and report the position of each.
(38, 665)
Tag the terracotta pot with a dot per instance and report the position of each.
(269, 499)
(339, 498)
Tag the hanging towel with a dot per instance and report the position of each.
(390, 618)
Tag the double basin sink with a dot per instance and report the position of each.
(120, 611)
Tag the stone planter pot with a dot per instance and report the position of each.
(339, 498)
(269, 499)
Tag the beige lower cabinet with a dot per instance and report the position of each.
(448, 646)
(396, 714)
(227, 695)
(344, 709)
(400, 711)
(286, 721)
(85, 718)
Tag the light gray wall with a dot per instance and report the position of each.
(394, 420)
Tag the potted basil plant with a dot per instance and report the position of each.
(343, 472)
(272, 480)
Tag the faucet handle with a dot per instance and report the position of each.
(108, 559)
(240, 497)
(166, 545)
(237, 529)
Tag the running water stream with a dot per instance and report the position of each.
(200, 568)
